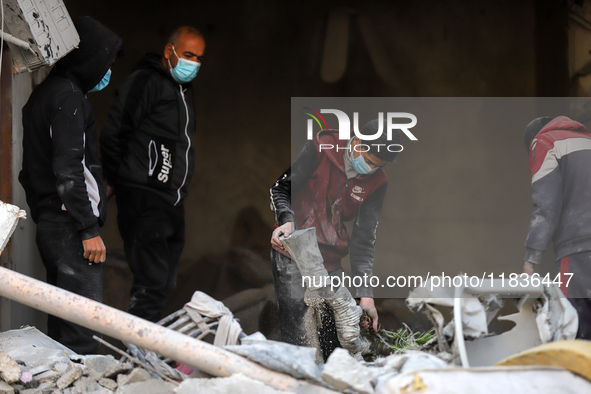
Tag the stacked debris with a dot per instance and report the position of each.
(31, 362)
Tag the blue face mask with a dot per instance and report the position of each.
(185, 70)
(103, 83)
(360, 165)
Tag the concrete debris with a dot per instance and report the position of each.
(97, 365)
(117, 369)
(62, 368)
(136, 375)
(151, 386)
(88, 374)
(48, 376)
(5, 388)
(108, 383)
(34, 348)
(236, 384)
(69, 377)
(411, 361)
(10, 372)
(297, 361)
(32, 363)
(88, 385)
(342, 371)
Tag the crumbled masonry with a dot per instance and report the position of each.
(49, 367)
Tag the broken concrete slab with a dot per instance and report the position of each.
(235, 384)
(136, 375)
(34, 348)
(108, 383)
(10, 371)
(151, 386)
(40, 369)
(297, 361)
(48, 376)
(118, 368)
(5, 388)
(88, 385)
(411, 361)
(46, 386)
(62, 368)
(420, 360)
(97, 365)
(69, 377)
(342, 371)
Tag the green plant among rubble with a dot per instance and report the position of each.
(385, 342)
(405, 339)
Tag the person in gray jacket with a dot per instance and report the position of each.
(559, 162)
(148, 155)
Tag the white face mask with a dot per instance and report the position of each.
(185, 70)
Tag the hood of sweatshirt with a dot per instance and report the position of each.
(87, 65)
(562, 123)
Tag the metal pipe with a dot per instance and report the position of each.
(128, 328)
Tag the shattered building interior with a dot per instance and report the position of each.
(462, 196)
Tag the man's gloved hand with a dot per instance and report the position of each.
(285, 230)
(367, 304)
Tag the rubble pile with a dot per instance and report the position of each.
(51, 368)
(93, 374)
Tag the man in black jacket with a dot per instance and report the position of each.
(148, 155)
(62, 175)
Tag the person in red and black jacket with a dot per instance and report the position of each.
(323, 189)
(560, 163)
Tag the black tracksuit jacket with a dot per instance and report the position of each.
(61, 173)
(147, 142)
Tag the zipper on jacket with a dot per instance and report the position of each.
(152, 164)
(188, 147)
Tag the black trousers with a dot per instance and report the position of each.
(289, 292)
(153, 233)
(62, 254)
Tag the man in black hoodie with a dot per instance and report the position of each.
(148, 155)
(62, 176)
